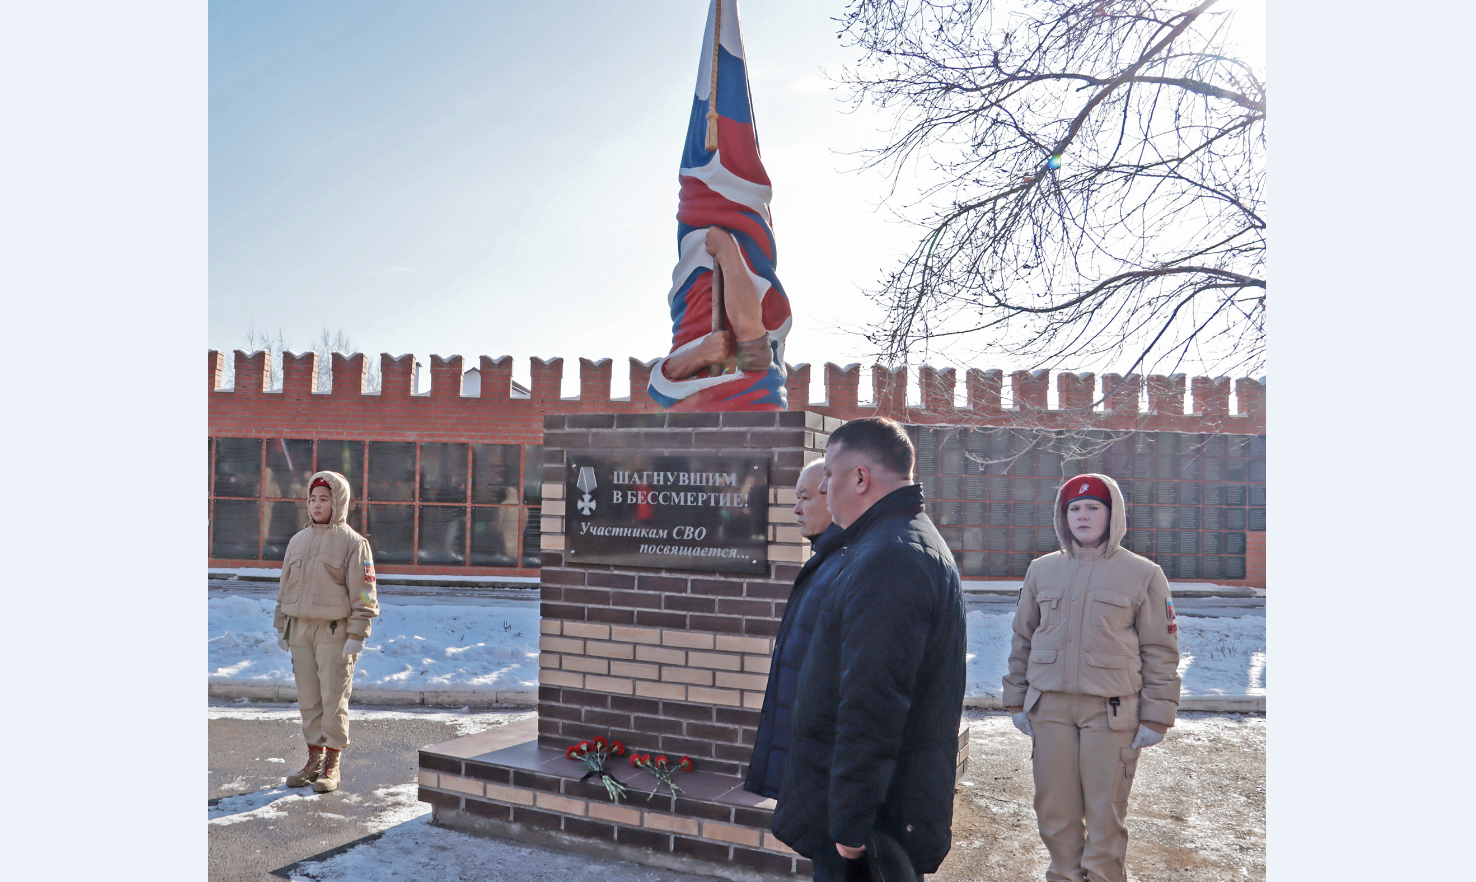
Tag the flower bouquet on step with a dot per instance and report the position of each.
(593, 755)
(662, 768)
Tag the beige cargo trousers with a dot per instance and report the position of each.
(1084, 767)
(324, 679)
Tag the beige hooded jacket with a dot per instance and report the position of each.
(328, 571)
(1097, 622)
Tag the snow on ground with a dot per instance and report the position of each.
(413, 849)
(1217, 656)
(411, 648)
(495, 648)
(464, 723)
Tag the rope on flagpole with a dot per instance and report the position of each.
(711, 142)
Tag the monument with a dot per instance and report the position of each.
(669, 548)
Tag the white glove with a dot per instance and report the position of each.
(282, 642)
(1146, 737)
(1022, 722)
(352, 647)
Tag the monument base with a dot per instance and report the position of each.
(485, 785)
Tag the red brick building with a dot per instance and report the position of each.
(448, 483)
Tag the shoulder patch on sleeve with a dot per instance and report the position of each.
(369, 574)
(1172, 618)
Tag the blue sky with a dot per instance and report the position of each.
(498, 178)
(490, 178)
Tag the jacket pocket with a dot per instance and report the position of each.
(1043, 656)
(1106, 660)
(1110, 610)
(1049, 601)
(1125, 717)
(293, 569)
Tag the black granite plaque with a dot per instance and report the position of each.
(1024, 490)
(1167, 541)
(951, 486)
(1234, 494)
(1022, 540)
(1235, 470)
(974, 511)
(679, 512)
(999, 489)
(1189, 493)
(1188, 567)
(1142, 492)
(1046, 540)
(1258, 494)
(999, 514)
(973, 563)
(1170, 565)
(1188, 517)
(1235, 543)
(1258, 470)
(1142, 466)
(1024, 515)
(998, 539)
(1140, 541)
(1235, 518)
(1188, 542)
(1234, 567)
(927, 451)
(999, 566)
(1257, 520)
(1212, 494)
(973, 538)
(1211, 518)
(1166, 517)
(950, 511)
(1211, 567)
(1209, 543)
(1168, 493)
(1141, 516)
(1019, 563)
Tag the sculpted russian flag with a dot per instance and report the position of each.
(727, 188)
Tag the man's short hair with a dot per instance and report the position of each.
(882, 441)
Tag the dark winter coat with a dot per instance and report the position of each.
(880, 695)
(771, 745)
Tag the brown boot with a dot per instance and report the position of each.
(310, 772)
(328, 781)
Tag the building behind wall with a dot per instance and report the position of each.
(446, 481)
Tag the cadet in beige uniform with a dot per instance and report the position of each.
(1093, 679)
(324, 607)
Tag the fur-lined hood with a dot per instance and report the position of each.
(1117, 524)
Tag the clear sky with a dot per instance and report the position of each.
(480, 177)
(501, 178)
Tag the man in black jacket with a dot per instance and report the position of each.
(772, 744)
(875, 720)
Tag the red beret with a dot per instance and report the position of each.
(1085, 487)
(320, 482)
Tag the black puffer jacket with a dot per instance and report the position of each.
(771, 745)
(881, 693)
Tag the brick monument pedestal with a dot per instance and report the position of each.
(667, 660)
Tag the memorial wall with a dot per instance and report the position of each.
(448, 483)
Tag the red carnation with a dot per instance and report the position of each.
(583, 746)
(635, 761)
(686, 764)
(616, 748)
(661, 760)
(570, 752)
(599, 742)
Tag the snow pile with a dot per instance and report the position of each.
(411, 649)
(495, 648)
(1217, 656)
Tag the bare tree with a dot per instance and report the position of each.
(262, 341)
(338, 341)
(1098, 174)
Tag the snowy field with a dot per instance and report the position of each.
(441, 647)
